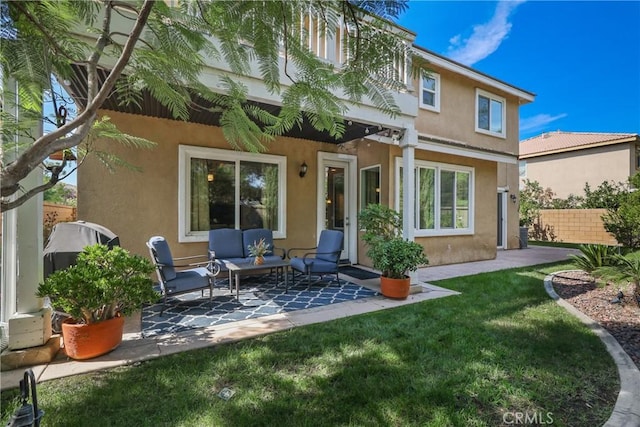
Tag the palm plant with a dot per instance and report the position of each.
(594, 256)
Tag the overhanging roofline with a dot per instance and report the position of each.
(457, 148)
(450, 65)
(625, 140)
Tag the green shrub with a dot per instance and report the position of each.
(594, 256)
(388, 251)
(103, 283)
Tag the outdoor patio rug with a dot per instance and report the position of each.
(259, 296)
(358, 273)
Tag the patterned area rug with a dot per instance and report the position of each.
(259, 296)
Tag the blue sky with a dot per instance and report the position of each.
(581, 59)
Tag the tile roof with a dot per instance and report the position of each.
(553, 142)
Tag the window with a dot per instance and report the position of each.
(430, 92)
(369, 186)
(490, 114)
(444, 198)
(522, 168)
(229, 189)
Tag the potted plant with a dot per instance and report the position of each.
(258, 250)
(392, 255)
(104, 286)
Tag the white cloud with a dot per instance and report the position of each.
(486, 38)
(538, 122)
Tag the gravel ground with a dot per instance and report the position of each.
(622, 320)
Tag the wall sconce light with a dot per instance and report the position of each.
(512, 197)
(210, 177)
(303, 169)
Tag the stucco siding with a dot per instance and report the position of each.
(456, 119)
(566, 173)
(137, 205)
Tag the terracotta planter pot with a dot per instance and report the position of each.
(395, 288)
(86, 341)
(259, 260)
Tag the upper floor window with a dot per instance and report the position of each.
(229, 189)
(522, 168)
(490, 114)
(430, 92)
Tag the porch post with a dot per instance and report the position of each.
(29, 325)
(408, 143)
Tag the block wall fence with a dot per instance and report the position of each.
(572, 226)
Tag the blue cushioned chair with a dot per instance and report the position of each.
(324, 258)
(199, 275)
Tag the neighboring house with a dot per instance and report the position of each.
(566, 161)
(458, 132)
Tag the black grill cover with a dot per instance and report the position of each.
(67, 239)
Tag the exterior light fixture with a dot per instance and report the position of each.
(513, 197)
(303, 169)
(210, 177)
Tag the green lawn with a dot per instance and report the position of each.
(502, 347)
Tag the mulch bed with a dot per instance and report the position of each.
(622, 320)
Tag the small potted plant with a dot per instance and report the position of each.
(258, 250)
(104, 286)
(392, 255)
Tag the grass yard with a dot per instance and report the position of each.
(500, 349)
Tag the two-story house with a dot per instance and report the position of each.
(566, 161)
(457, 135)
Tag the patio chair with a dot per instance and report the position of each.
(322, 260)
(199, 275)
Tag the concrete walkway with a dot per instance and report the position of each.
(134, 348)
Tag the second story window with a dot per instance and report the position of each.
(490, 114)
(430, 92)
(522, 168)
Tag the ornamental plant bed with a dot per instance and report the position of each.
(622, 320)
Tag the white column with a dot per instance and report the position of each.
(408, 143)
(29, 325)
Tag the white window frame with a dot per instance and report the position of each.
(496, 98)
(436, 93)
(439, 167)
(187, 152)
(522, 169)
(378, 167)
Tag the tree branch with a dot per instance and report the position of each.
(47, 144)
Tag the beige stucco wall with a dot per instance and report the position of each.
(456, 119)
(566, 173)
(454, 249)
(137, 205)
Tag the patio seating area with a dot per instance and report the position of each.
(259, 296)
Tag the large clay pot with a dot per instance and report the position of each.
(395, 288)
(86, 341)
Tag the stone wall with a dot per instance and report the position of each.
(572, 226)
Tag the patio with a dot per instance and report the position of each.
(137, 348)
(260, 296)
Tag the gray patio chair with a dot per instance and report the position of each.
(193, 276)
(322, 259)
